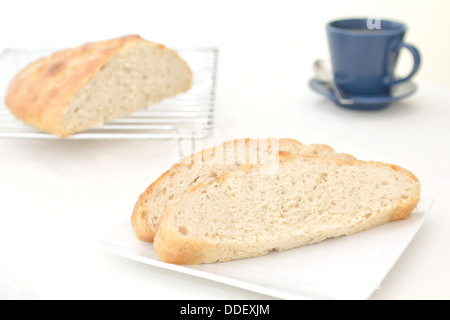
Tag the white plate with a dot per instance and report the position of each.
(349, 267)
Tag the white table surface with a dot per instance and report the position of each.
(57, 197)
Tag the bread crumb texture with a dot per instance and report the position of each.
(309, 199)
(209, 164)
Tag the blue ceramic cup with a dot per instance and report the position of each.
(364, 53)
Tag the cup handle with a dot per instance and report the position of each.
(416, 56)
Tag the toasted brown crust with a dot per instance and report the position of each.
(40, 92)
(173, 248)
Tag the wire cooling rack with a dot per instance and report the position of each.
(187, 116)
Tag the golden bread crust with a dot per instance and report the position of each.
(39, 94)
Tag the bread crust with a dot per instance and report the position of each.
(171, 247)
(39, 94)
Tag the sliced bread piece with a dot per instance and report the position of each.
(246, 213)
(80, 88)
(204, 167)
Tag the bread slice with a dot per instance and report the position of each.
(247, 213)
(80, 88)
(204, 167)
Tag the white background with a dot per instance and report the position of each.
(56, 197)
(249, 33)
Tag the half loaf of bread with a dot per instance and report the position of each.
(205, 166)
(84, 87)
(248, 213)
